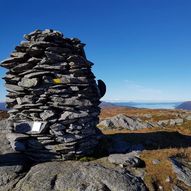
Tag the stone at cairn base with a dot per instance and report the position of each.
(52, 98)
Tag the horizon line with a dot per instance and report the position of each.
(145, 101)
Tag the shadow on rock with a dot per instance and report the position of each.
(13, 166)
(12, 159)
(127, 142)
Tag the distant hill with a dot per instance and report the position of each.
(185, 105)
(105, 104)
(2, 106)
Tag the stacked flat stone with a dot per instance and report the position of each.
(51, 87)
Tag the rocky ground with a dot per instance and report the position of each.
(162, 139)
(142, 150)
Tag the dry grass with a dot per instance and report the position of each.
(161, 172)
(3, 115)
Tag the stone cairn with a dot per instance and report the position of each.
(52, 98)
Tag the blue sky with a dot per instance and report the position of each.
(141, 48)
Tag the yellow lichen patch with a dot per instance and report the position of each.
(57, 81)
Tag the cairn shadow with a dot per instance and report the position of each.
(124, 142)
(15, 159)
(115, 144)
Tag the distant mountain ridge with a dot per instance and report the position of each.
(2, 106)
(105, 104)
(185, 105)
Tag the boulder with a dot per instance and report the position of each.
(124, 122)
(188, 118)
(129, 159)
(178, 121)
(163, 123)
(77, 176)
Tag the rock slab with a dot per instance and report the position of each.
(77, 176)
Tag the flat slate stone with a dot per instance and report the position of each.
(20, 58)
(22, 67)
(52, 67)
(18, 54)
(36, 74)
(16, 136)
(13, 88)
(47, 114)
(28, 83)
(72, 115)
(55, 57)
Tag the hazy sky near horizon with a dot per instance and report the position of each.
(141, 48)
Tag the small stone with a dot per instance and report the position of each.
(55, 57)
(30, 35)
(58, 127)
(58, 50)
(35, 52)
(129, 159)
(28, 83)
(155, 161)
(27, 99)
(34, 144)
(168, 179)
(51, 67)
(36, 74)
(72, 115)
(160, 187)
(8, 63)
(163, 123)
(13, 88)
(33, 60)
(23, 127)
(10, 100)
(18, 146)
(47, 114)
(16, 136)
(22, 67)
(69, 138)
